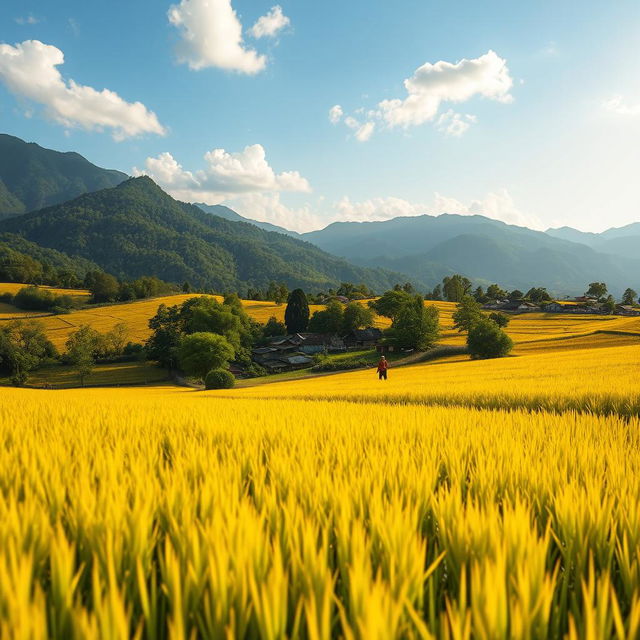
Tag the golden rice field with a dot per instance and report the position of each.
(530, 327)
(254, 513)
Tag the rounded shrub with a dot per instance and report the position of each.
(487, 340)
(219, 379)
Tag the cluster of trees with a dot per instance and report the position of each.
(485, 335)
(34, 298)
(16, 266)
(341, 319)
(279, 293)
(202, 335)
(599, 291)
(106, 288)
(86, 346)
(413, 325)
(23, 348)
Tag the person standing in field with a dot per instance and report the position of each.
(383, 365)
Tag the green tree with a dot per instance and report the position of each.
(296, 315)
(201, 352)
(219, 379)
(629, 297)
(516, 294)
(162, 345)
(436, 294)
(104, 287)
(487, 340)
(82, 346)
(356, 316)
(23, 347)
(495, 292)
(597, 289)
(273, 327)
(390, 303)
(415, 326)
(467, 313)
(609, 304)
(479, 295)
(455, 287)
(538, 295)
(501, 319)
(329, 320)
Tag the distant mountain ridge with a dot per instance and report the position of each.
(620, 241)
(32, 177)
(230, 214)
(486, 250)
(137, 229)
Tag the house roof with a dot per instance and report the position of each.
(297, 360)
(370, 333)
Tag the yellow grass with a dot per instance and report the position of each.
(14, 287)
(167, 513)
(601, 379)
(526, 327)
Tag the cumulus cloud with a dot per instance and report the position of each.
(211, 36)
(269, 25)
(618, 105)
(224, 175)
(29, 70)
(434, 84)
(335, 114)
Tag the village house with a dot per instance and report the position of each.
(626, 310)
(365, 338)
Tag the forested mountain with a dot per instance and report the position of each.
(230, 214)
(619, 241)
(486, 250)
(32, 177)
(137, 229)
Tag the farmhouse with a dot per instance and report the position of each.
(626, 310)
(368, 337)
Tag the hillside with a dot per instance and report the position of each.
(229, 214)
(486, 250)
(136, 229)
(32, 177)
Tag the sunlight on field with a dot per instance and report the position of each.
(527, 327)
(14, 287)
(169, 513)
(590, 378)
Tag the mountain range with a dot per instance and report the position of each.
(486, 250)
(137, 229)
(63, 208)
(32, 177)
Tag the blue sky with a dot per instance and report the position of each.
(526, 112)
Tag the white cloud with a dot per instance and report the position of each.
(618, 105)
(224, 175)
(29, 70)
(30, 19)
(335, 114)
(454, 124)
(434, 84)
(365, 131)
(211, 36)
(269, 25)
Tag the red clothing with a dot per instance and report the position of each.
(383, 365)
